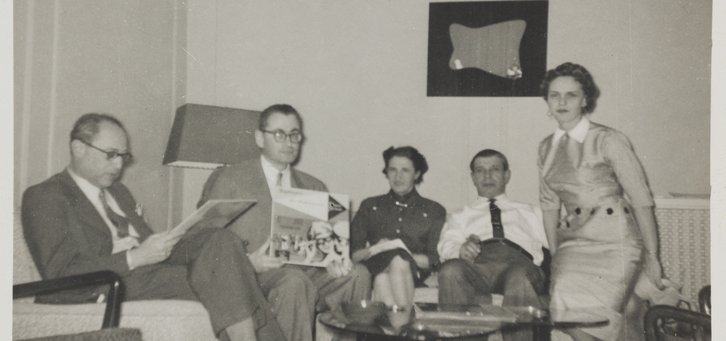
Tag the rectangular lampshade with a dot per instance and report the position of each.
(205, 136)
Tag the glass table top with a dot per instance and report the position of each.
(426, 321)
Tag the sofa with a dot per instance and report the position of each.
(158, 320)
(685, 255)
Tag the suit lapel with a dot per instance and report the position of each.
(85, 211)
(128, 206)
(294, 179)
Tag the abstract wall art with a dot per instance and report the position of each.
(489, 48)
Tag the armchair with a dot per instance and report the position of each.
(670, 323)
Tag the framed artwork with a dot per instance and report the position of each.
(488, 48)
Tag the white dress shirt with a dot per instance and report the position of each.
(522, 225)
(271, 174)
(92, 193)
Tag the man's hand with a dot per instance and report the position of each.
(261, 261)
(156, 248)
(338, 269)
(470, 249)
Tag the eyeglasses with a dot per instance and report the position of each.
(281, 136)
(110, 156)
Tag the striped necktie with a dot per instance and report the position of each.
(121, 223)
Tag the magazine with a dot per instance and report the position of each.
(310, 227)
(214, 213)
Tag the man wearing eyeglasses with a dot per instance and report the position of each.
(84, 220)
(279, 136)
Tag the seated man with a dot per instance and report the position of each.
(83, 220)
(493, 245)
(279, 136)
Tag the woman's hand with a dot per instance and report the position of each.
(422, 261)
(361, 255)
(652, 270)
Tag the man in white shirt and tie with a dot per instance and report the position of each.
(493, 245)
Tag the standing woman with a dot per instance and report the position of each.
(400, 214)
(605, 241)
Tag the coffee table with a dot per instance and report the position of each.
(404, 325)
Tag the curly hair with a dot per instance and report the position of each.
(418, 160)
(581, 75)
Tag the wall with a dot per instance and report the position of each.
(356, 71)
(79, 56)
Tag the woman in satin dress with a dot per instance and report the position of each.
(607, 238)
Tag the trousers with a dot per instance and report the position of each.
(497, 269)
(210, 266)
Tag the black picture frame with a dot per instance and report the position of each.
(444, 81)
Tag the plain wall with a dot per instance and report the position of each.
(357, 73)
(78, 56)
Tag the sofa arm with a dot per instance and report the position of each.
(113, 301)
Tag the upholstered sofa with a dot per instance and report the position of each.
(158, 320)
(685, 254)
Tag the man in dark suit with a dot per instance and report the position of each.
(83, 220)
(279, 136)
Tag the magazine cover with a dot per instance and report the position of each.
(310, 227)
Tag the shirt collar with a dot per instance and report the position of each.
(578, 132)
(271, 171)
(89, 189)
(404, 198)
(481, 201)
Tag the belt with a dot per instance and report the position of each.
(506, 242)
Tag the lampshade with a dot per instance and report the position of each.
(205, 136)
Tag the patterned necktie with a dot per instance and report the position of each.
(279, 180)
(496, 214)
(121, 223)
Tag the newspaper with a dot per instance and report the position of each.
(214, 213)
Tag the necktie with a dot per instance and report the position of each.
(121, 223)
(567, 150)
(279, 180)
(496, 213)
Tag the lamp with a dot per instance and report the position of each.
(205, 136)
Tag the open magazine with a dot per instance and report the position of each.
(310, 227)
(214, 213)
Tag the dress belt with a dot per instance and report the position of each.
(506, 242)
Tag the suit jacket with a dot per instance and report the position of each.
(67, 236)
(246, 180)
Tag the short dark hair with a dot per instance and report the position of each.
(581, 75)
(418, 160)
(86, 127)
(488, 153)
(284, 109)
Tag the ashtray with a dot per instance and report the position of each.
(363, 311)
